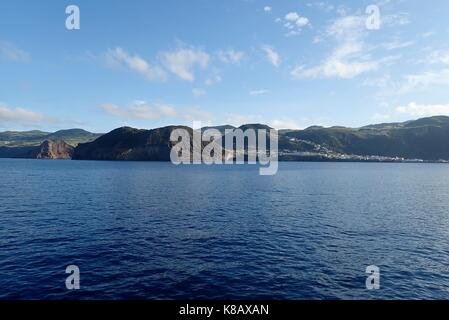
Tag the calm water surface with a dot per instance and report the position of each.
(156, 231)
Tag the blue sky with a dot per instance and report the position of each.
(287, 63)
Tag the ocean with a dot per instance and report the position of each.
(152, 230)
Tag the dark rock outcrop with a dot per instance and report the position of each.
(139, 145)
(49, 149)
(129, 144)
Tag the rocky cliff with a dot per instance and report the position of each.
(129, 144)
(49, 149)
(57, 149)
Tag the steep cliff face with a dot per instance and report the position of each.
(129, 144)
(57, 149)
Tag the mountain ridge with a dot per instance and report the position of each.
(34, 138)
(424, 138)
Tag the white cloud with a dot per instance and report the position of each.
(196, 114)
(215, 78)
(344, 63)
(257, 92)
(294, 23)
(422, 80)
(321, 5)
(380, 117)
(21, 116)
(118, 56)
(284, 124)
(382, 81)
(140, 110)
(271, 55)
(422, 110)
(397, 44)
(183, 62)
(427, 34)
(230, 56)
(292, 16)
(240, 119)
(395, 20)
(11, 53)
(408, 83)
(345, 27)
(439, 57)
(349, 58)
(198, 92)
(267, 9)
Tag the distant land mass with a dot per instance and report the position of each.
(35, 138)
(425, 139)
(43, 145)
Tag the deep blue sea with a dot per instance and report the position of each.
(149, 230)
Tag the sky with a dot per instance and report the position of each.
(287, 63)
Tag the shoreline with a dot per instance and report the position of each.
(417, 161)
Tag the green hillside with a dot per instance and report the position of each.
(426, 138)
(36, 138)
